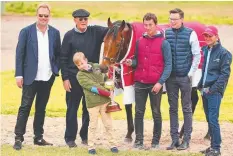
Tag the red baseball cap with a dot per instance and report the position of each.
(211, 30)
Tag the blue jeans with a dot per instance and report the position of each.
(211, 104)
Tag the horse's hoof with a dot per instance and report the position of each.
(128, 140)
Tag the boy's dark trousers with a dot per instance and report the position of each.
(73, 99)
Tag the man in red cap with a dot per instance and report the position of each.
(216, 72)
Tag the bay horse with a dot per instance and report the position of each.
(119, 45)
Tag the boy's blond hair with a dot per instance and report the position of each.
(78, 56)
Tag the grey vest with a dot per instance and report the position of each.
(181, 50)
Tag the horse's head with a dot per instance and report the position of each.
(116, 42)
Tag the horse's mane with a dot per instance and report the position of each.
(115, 28)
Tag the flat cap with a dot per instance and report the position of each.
(80, 13)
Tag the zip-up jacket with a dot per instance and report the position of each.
(218, 71)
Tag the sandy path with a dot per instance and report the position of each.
(55, 128)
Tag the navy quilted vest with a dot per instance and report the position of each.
(181, 50)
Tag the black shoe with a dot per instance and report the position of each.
(92, 151)
(17, 145)
(173, 145)
(114, 150)
(42, 142)
(213, 152)
(71, 144)
(138, 144)
(84, 142)
(206, 150)
(183, 146)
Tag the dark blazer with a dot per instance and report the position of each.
(27, 53)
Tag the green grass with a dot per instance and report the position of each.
(204, 12)
(7, 150)
(11, 97)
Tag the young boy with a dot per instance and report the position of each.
(97, 98)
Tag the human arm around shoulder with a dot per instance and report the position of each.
(225, 70)
(19, 58)
(101, 31)
(196, 52)
(87, 83)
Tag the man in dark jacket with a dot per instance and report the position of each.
(87, 39)
(216, 72)
(37, 64)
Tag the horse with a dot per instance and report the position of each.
(119, 45)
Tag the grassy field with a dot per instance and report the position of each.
(11, 97)
(205, 12)
(64, 151)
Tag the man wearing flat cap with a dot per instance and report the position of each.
(87, 39)
(81, 13)
(215, 74)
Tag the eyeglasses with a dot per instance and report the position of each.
(174, 19)
(43, 15)
(83, 18)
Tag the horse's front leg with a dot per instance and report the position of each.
(129, 114)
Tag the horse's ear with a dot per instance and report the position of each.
(122, 25)
(109, 23)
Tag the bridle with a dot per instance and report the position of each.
(120, 49)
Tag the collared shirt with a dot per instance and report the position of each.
(77, 30)
(195, 48)
(206, 67)
(44, 71)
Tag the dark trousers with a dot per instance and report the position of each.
(141, 93)
(173, 85)
(73, 99)
(211, 104)
(42, 91)
(194, 99)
